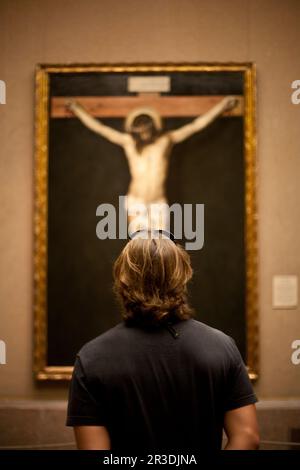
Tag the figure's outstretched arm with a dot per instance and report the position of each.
(178, 135)
(94, 125)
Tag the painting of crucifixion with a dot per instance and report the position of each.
(158, 135)
(148, 148)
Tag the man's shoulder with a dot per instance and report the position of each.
(203, 328)
(100, 352)
(213, 344)
(103, 339)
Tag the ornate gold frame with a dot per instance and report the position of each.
(41, 370)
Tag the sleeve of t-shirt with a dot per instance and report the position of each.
(86, 405)
(239, 388)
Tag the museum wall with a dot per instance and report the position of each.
(50, 31)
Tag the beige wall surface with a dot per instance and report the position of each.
(263, 31)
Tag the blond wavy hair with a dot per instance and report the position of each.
(150, 281)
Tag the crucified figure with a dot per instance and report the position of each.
(148, 149)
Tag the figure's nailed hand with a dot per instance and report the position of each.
(70, 104)
(231, 102)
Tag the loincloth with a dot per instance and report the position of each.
(141, 215)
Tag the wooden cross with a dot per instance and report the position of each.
(120, 106)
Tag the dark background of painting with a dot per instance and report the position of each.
(85, 170)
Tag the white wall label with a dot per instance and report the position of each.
(285, 291)
(155, 84)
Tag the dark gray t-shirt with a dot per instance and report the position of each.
(155, 391)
